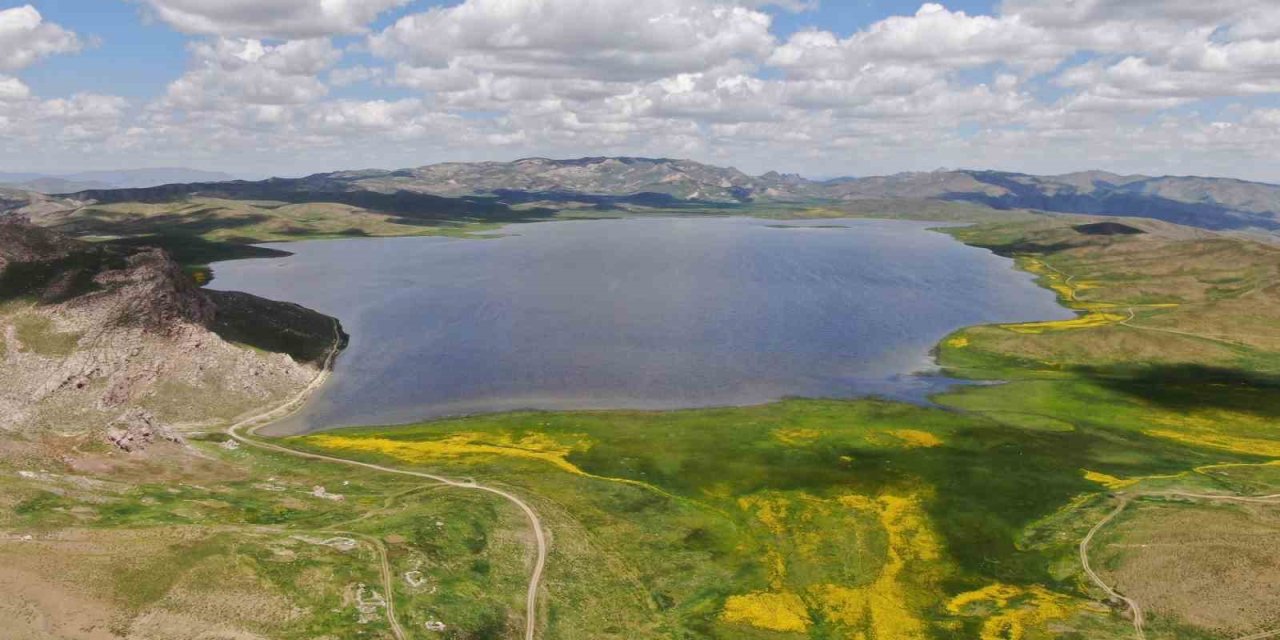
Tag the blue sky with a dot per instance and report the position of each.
(138, 57)
(125, 57)
(858, 87)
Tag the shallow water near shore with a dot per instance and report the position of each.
(638, 313)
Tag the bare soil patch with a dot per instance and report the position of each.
(1216, 567)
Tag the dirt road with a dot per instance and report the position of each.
(1139, 619)
(1134, 608)
(244, 430)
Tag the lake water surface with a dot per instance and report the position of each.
(636, 313)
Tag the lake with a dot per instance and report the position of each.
(645, 313)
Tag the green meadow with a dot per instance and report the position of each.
(874, 519)
(805, 518)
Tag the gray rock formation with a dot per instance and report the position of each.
(91, 336)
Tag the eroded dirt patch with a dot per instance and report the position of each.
(1215, 567)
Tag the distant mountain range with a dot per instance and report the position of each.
(1210, 203)
(496, 189)
(679, 180)
(124, 179)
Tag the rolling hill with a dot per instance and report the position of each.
(121, 179)
(536, 187)
(1210, 203)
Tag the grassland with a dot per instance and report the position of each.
(240, 221)
(152, 545)
(897, 209)
(36, 333)
(872, 519)
(201, 230)
(868, 519)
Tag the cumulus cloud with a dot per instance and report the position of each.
(619, 40)
(1033, 85)
(280, 19)
(84, 121)
(83, 118)
(232, 73)
(25, 37)
(13, 89)
(934, 36)
(1164, 50)
(347, 76)
(1233, 70)
(1075, 13)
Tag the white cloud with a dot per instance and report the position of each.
(1077, 13)
(1241, 69)
(84, 121)
(398, 119)
(347, 76)
(84, 108)
(1264, 118)
(13, 89)
(231, 73)
(794, 6)
(607, 40)
(25, 38)
(1037, 85)
(280, 19)
(1163, 49)
(934, 36)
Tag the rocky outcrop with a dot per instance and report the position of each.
(136, 429)
(98, 337)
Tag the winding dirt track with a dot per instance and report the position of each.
(250, 426)
(388, 578)
(1139, 619)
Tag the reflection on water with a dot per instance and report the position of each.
(636, 313)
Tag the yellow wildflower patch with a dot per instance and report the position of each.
(1069, 291)
(884, 606)
(1009, 611)
(783, 612)
(914, 438)
(958, 343)
(999, 593)
(1031, 265)
(1108, 481)
(795, 560)
(1087, 321)
(802, 531)
(1059, 282)
(845, 606)
(1236, 444)
(796, 436)
(910, 537)
(771, 511)
(1094, 306)
(1064, 290)
(776, 565)
(533, 446)
(1215, 428)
